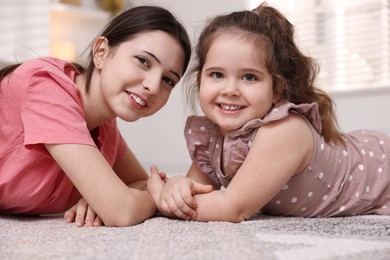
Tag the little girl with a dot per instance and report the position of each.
(269, 136)
(60, 148)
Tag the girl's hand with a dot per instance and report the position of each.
(82, 213)
(177, 196)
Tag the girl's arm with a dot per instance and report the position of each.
(106, 190)
(280, 150)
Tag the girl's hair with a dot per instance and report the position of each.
(125, 26)
(293, 73)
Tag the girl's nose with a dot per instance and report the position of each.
(231, 88)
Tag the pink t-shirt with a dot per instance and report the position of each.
(339, 180)
(40, 104)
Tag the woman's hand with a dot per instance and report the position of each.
(82, 213)
(156, 183)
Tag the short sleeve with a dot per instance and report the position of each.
(52, 110)
(199, 136)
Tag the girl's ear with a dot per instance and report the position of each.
(100, 50)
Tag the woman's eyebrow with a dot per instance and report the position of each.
(159, 62)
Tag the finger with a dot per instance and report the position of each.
(153, 169)
(186, 202)
(81, 212)
(90, 217)
(70, 214)
(176, 210)
(98, 222)
(188, 199)
(199, 188)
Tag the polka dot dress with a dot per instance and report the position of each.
(340, 180)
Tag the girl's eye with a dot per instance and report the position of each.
(169, 81)
(249, 77)
(217, 75)
(143, 61)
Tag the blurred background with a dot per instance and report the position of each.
(350, 39)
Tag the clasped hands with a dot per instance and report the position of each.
(174, 197)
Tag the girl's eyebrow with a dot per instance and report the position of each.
(159, 62)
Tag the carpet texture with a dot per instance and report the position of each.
(262, 237)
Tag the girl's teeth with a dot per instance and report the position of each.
(137, 100)
(230, 108)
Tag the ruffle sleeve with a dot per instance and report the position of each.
(200, 134)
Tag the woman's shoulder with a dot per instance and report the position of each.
(47, 66)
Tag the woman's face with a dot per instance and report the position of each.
(136, 78)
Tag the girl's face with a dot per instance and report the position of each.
(235, 86)
(137, 77)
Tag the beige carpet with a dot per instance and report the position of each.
(263, 237)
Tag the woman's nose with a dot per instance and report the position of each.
(152, 83)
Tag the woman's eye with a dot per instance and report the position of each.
(249, 77)
(217, 75)
(143, 61)
(169, 81)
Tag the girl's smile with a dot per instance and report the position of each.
(234, 88)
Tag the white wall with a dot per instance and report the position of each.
(159, 139)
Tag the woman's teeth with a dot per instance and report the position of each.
(137, 100)
(230, 108)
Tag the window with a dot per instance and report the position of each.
(350, 39)
(24, 29)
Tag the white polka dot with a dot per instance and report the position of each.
(328, 186)
(285, 187)
(363, 151)
(361, 167)
(211, 140)
(303, 209)
(371, 154)
(368, 189)
(380, 170)
(350, 178)
(357, 194)
(310, 194)
(217, 146)
(294, 200)
(321, 175)
(381, 142)
(345, 152)
(365, 140)
(202, 128)
(342, 208)
(277, 202)
(384, 207)
(383, 156)
(189, 131)
(322, 146)
(197, 143)
(325, 197)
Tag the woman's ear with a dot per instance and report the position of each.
(100, 51)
